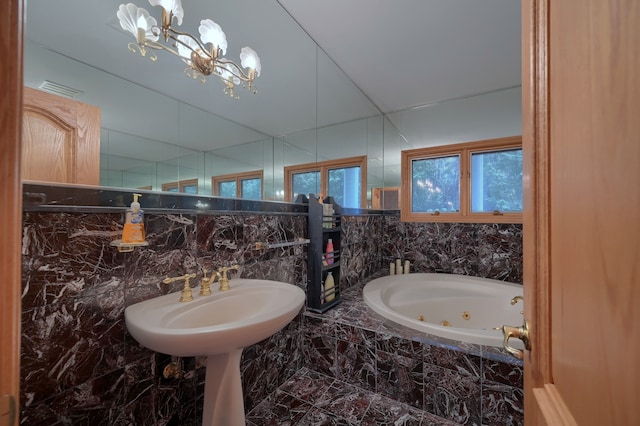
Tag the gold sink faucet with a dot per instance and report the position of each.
(224, 280)
(205, 284)
(186, 291)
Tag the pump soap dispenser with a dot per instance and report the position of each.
(134, 223)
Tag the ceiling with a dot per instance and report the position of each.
(395, 54)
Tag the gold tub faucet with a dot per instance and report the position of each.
(515, 299)
(186, 290)
(205, 284)
(224, 280)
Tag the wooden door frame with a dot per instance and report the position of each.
(542, 402)
(11, 81)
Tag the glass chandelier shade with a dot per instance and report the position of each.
(203, 57)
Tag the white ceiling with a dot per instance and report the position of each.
(400, 53)
(407, 53)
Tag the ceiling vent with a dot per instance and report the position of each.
(59, 89)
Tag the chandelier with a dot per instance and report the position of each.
(201, 61)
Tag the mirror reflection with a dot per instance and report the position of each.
(151, 140)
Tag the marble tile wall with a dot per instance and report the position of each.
(464, 383)
(468, 384)
(476, 249)
(80, 366)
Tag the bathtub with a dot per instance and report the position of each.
(456, 307)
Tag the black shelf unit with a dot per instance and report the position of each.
(321, 229)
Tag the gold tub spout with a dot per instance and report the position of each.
(205, 284)
(515, 299)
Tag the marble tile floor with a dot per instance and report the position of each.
(312, 399)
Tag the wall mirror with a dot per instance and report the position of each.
(306, 110)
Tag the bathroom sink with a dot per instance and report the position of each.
(225, 321)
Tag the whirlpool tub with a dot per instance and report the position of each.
(456, 307)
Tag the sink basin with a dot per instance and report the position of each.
(248, 313)
(218, 326)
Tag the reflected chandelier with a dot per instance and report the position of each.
(201, 62)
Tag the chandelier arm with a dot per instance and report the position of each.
(159, 46)
(173, 35)
(234, 69)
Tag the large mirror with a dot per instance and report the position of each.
(306, 110)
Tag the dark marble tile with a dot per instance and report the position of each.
(400, 378)
(279, 409)
(508, 373)
(452, 396)
(356, 365)
(459, 361)
(400, 345)
(319, 417)
(502, 405)
(500, 252)
(307, 385)
(384, 411)
(320, 354)
(345, 401)
(66, 344)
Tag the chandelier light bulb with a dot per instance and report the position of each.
(250, 59)
(174, 7)
(210, 32)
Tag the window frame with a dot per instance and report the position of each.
(238, 178)
(180, 185)
(464, 151)
(323, 167)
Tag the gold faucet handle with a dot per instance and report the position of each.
(186, 290)
(224, 280)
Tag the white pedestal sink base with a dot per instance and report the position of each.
(223, 400)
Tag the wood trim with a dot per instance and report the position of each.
(323, 167)
(378, 194)
(180, 184)
(464, 151)
(536, 225)
(11, 82)
(237, 177)
(552, 408)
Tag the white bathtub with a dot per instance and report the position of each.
(471, 306)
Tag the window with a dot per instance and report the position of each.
(246, 185)
(344, 179)
(188, 186)
(469, 182)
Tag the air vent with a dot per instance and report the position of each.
(59, 89)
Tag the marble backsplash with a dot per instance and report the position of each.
(80, 366)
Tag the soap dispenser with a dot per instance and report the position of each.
(134, 223)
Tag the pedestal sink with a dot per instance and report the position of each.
(218, 326)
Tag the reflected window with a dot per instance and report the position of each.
(435, 184)
(469, 182)
(343, 179)
(187, 186)
(227, 189)
(247, 185)
(305, 183)
(345, 186)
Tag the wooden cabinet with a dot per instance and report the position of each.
(60, 139)
(322, 228)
